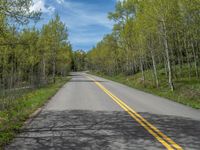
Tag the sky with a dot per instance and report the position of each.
(86, 20)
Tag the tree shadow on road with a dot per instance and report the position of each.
(75, 75)
(100, 130)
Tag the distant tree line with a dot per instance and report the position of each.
(30, 56)
(151, 34)
(79, 60)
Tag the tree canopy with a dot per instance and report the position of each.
(151, 35)
(30, 56)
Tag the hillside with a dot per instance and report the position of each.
(187, 90)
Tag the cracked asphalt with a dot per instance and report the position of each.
(83, 117)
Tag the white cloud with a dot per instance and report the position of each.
(51, 9)
(39, 5)
(84, 16)
(60, 1)
(87, 22)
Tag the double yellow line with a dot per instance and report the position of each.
(161, 137)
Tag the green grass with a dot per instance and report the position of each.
(187, 91)
(13, 118)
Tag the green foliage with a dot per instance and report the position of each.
(29, 57)
(151, 34)
(18, 11)
(12, 118)
(187, 90)
(78, 63)
(105, 56)
(29, 60)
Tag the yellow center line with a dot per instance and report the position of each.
(161, 137)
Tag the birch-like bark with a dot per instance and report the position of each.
(167, 56)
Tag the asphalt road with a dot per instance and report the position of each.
(98, 114)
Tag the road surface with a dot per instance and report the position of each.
(92, 113)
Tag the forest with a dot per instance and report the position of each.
(34, 63)
(155, 35)
(30, 57)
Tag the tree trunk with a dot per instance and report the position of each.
(154, 68)
(167, 56)
(180, 58)
(153, 62)
(54, 71)
(142, 70)
(43, 70)
(195, 60)
(54, 66)
(188, 58)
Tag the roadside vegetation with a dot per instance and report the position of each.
(34, 63)
(187, 91)
(30, 57)
(154, 46)
(18, 110)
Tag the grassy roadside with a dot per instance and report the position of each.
(13, 118)
(186, 92)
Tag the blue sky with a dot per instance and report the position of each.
(86, 20)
